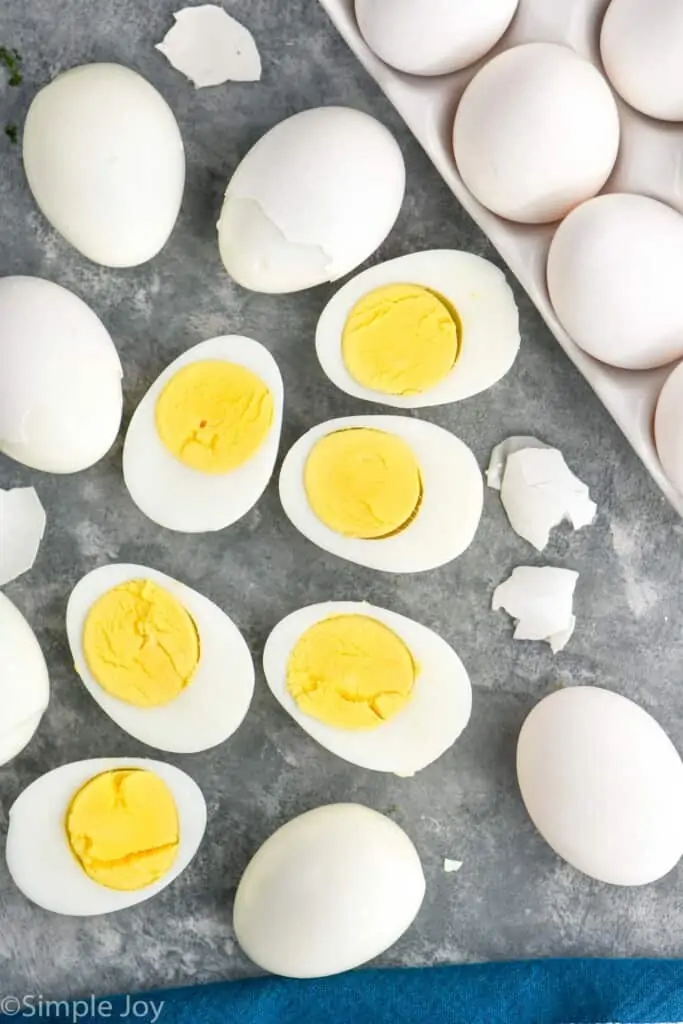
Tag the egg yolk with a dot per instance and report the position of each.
(140, 644)
(214, 415)
(363, 483)
(351, 672)
(401, 339)
(122, 827)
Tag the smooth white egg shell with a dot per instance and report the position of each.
(24, 681)
(311, 200)
(215, 701)
(614, 272)
(484, 303)
(184, 499)
(669, 427)
(448, 517)
(437, 712)
(327, 892)
(105, 162)
(38, 854)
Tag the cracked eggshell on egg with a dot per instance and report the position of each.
(311, 200)
(215, 701)
(477, 291)
(38, 854)
(541, 599)
(22, 526)
(24, 681)
(437, 712)
(178, 497)
(210, 47)
(448, 516)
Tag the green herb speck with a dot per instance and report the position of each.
(12, 61)
(12, 133)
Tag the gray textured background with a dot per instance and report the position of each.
(512, 897)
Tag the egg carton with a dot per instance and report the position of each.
(650, 162)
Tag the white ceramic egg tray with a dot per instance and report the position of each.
(650, 162)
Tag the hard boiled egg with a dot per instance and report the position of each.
(24, 682)
(60, 378)
(313, 199)
(202, 444)
(105, 162)
(100, 835)
(424, 329)
(328, 891)
(391, 493)
(164, 662)
(669, 427)
(374, 687)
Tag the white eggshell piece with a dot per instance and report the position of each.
(311, 200)
(436, 714)
(501, 453)
(473, 286)
(451, 866)
(602, 782)
(178, 497)
(217, 698)
(327, 892)
(24, 681)
(40, 860)
(210, 47)
(669, 427)
(22, 526)
(448, 516)
(105, 162)
(540, 598)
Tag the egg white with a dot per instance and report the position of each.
(214, 703)
(431, 721)
(448, 516)
(184, 499)
(38, 855)
(24, 681)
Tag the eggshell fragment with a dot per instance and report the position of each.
(540, 599)
(501, 453)
(210, 47)
(22, 526)
(450, 866)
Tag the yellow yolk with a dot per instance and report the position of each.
(351, 672)
(363, 483)
(401, 339)
(122, 827)
(214, 415)
(140, 644)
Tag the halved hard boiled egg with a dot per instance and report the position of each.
(165, 663)
(201, 446)
(391, 493)
(24, 681)
(425, 329)
(100, 835)
(372, 686)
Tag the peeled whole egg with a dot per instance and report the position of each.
(41, 861)
(311, 200)
(602, 783)
(432, 37)
(148, 623)
(192, 495)
(327, 892)
(105, 162)
(614, 277)
(451, 333)
(437, 707)
(536, 132)
(669, 427)
(24, 681)
(60, 378)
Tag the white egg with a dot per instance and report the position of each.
(215, 701)
(536, 132)
(669, 427)
(328, 891)
(602, 783)
(24, 681)
(41, 862)
(437, 712)
(177, 496)
(60, 378)
(104, 159)
(614, 277)
(473, 287)
(447, 518)
(432, 37)
(311, 200)
(641, 44)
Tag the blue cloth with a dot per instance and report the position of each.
(532, 992)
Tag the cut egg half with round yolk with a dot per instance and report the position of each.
(372, 686)
(202, 444)
(425, 329)
(391, 493)
(167, 665)
(96, 836)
